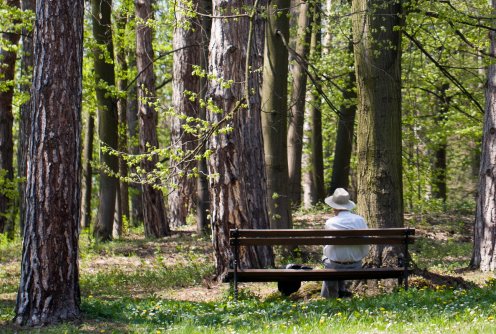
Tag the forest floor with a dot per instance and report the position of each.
(180, 268)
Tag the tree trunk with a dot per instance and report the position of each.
(238, 191)
(484, 254)
(107, 116)
(87, 172)
(135, 190)
(24, 110)
(296, 117)
(187, 41)
(275, 113)
(7, 72)
(49, 286)
(346, 129)
(122, 82)
(154, 215)
(380, 198)
(203, 197)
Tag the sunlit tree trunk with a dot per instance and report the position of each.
(107, 116)
(24, 112)
(187, 41)
(297, 112)
(154, 215)
(378, 72)
(49, 286)
(484, 253)
(275, 112)
(7, 72)
(238, 191)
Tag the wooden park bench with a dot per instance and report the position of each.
(401, 237)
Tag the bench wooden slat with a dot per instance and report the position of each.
(274, 275)
(325, 241)
(244, 233)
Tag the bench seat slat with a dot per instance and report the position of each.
(246, 233)
(391, 240)
(274, 275)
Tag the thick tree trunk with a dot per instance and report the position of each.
(484, 253)
(275, 113)
(135, 190)
(24, 110)
(154, 215)
(238, 191)
(380, 198)
(7, 72)
(296, 117)
(107, 116)
(346, 129)
(187, 41)
(87, 172)
(49, 286)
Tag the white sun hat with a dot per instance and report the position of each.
(340, 200)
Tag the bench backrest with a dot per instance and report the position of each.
(383, 236)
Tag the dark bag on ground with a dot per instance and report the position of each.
(287, 287)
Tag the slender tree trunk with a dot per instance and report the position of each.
(107, 116)
(24, 117)
(296, 117)
(484, 254)
(378, 71)
(7, 72)
(440, 164)
(345, 133)
(154, 215)
(203, 197)
(87, 172)
(49, 287)
(135, 190)
(275, 112)
(187, 41)
(238, 192)
(122, 82)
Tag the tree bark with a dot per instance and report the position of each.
(154, 215)
(187, 41)
(296, 117)
(238, 191)
(7, 72)
(49, 287)
(345, 133)
(378, 72)
(275, 113)
(484, 254)
(87, 172)
(107, 116)
(24, 110)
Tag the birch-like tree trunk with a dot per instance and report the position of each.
(484, 253)
(238, 191)
(7, 72)
(187, 41)
(154, 214)
(107, 116)
(378, 72)
(275, 112)
(49, 286)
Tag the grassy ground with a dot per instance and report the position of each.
(135, 285)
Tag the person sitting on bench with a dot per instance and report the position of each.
(337, 256)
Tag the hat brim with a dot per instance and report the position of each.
(348, 206)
